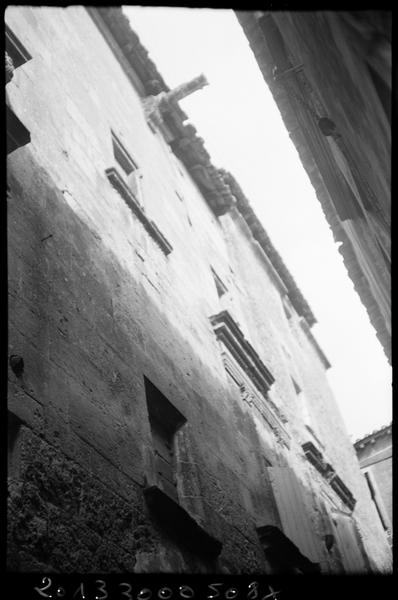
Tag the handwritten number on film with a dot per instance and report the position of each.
(46, 581)
(165, 593)
(127, 592)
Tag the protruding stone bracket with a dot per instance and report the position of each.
(156, 106)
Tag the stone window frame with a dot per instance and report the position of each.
(17, 134)
(249, 373)
(287, 308)
(16, 56)
(15, 49)
(123, 184)
(305, 411)
(131, 172)
(165, 507)
(316, 458)
(165, 421)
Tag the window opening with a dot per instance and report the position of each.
(131, 171)
(17, 134)
(221, 288)
(164, 420)
(15, 50)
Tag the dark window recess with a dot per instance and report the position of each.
(220, 287)
(162, 497)
(122, 157)
(118, 183)
(165, 420)
(296, 386)
(282, 554)
(17, 134)
(342, 490)
(15, 50)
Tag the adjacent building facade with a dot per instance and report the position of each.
(374, 453)
(330, 75)
(168, 408)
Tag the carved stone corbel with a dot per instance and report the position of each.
(155, 106)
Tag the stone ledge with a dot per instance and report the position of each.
(179, 523)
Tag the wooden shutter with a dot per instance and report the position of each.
(293, 514)
(348, 544)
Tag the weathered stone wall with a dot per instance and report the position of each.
(95, 306)
(376, 456)
(382, 473)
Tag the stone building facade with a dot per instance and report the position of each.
(168, 406)
(330, 75)
(374, 453)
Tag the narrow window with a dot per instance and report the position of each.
(15, 50)
(122, 156)
(129, 167)
(165, 420)
(220, 287)
(305, 412)
(16, 55)
(17, 134)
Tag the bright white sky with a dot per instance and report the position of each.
(244, 133)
